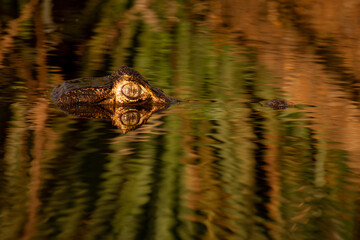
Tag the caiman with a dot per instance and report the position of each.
(125, 86)
(125, 97)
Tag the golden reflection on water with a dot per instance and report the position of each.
(227, 168)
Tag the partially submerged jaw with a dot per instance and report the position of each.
(83, 90)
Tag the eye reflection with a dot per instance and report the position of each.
(130, 118)
(131, 90)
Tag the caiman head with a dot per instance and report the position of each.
(124, 86)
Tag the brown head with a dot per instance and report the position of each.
(124, 86)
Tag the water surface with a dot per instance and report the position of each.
(219, 166)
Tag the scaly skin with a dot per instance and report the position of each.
(124, 86)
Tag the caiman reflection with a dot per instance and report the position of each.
(125, 117)
(125, 97)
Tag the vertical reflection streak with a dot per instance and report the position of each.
(7, 42)
(110, 189)
(40, 118)
(320, 171)
(226, 170)
(15, 160)
(272, 140)
(166, 219)
(232, 133)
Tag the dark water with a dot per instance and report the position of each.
(222, 166)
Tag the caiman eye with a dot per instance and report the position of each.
(131, 90)
(130, 118)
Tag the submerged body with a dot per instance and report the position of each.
(125, 86)
(125, 97)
